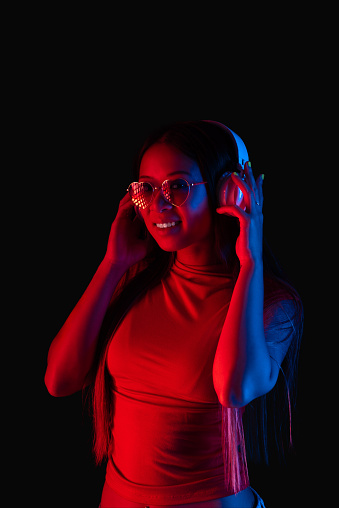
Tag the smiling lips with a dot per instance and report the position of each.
(166, 225)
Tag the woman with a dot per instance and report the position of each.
(182, 331)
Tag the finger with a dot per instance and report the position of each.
(233, 211)
(260, 181)
(249, 175)
(126, 202)
(126, 207)
(253, 184)
(244, 187)
(126, 199)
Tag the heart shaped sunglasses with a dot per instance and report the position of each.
(176, 192)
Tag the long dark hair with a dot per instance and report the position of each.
(210, 146)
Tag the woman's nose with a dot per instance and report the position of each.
(159, 203)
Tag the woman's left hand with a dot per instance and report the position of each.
(250, 241)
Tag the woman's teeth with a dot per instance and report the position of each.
(166, 225)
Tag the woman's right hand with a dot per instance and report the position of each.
(125, 244)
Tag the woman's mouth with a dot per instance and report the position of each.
(166, 225)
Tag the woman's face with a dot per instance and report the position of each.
(193, 233)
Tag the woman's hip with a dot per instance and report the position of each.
(248, 498)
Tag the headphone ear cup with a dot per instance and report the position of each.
(228, 192)
(222, 188)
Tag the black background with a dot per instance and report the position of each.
(81, 91)
(83, 171)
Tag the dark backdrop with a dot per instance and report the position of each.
(82, 168)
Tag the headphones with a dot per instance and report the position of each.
(228, 193)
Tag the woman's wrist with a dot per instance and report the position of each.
(113, 268)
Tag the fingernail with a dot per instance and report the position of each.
(249, 164)
(263, 177)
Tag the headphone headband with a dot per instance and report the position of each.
(238, 143)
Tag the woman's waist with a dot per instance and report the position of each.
(159, 444)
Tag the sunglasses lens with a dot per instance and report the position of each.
(141, 194)
(176, 191)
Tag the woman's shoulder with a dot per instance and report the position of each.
(282, 303)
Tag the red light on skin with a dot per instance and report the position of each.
(193, 237)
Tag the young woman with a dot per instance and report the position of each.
(183, 331)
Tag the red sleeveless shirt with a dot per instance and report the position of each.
(167, 429)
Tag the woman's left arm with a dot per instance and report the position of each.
(243, 369)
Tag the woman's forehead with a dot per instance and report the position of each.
(165, 161)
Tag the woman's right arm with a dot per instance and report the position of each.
(72, 352)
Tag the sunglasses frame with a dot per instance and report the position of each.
(162, 191)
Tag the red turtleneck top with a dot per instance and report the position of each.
(167, 429)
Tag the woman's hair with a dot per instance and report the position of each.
(210, 146)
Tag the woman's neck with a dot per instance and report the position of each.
(198, 255)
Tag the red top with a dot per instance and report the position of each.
(167, 428)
